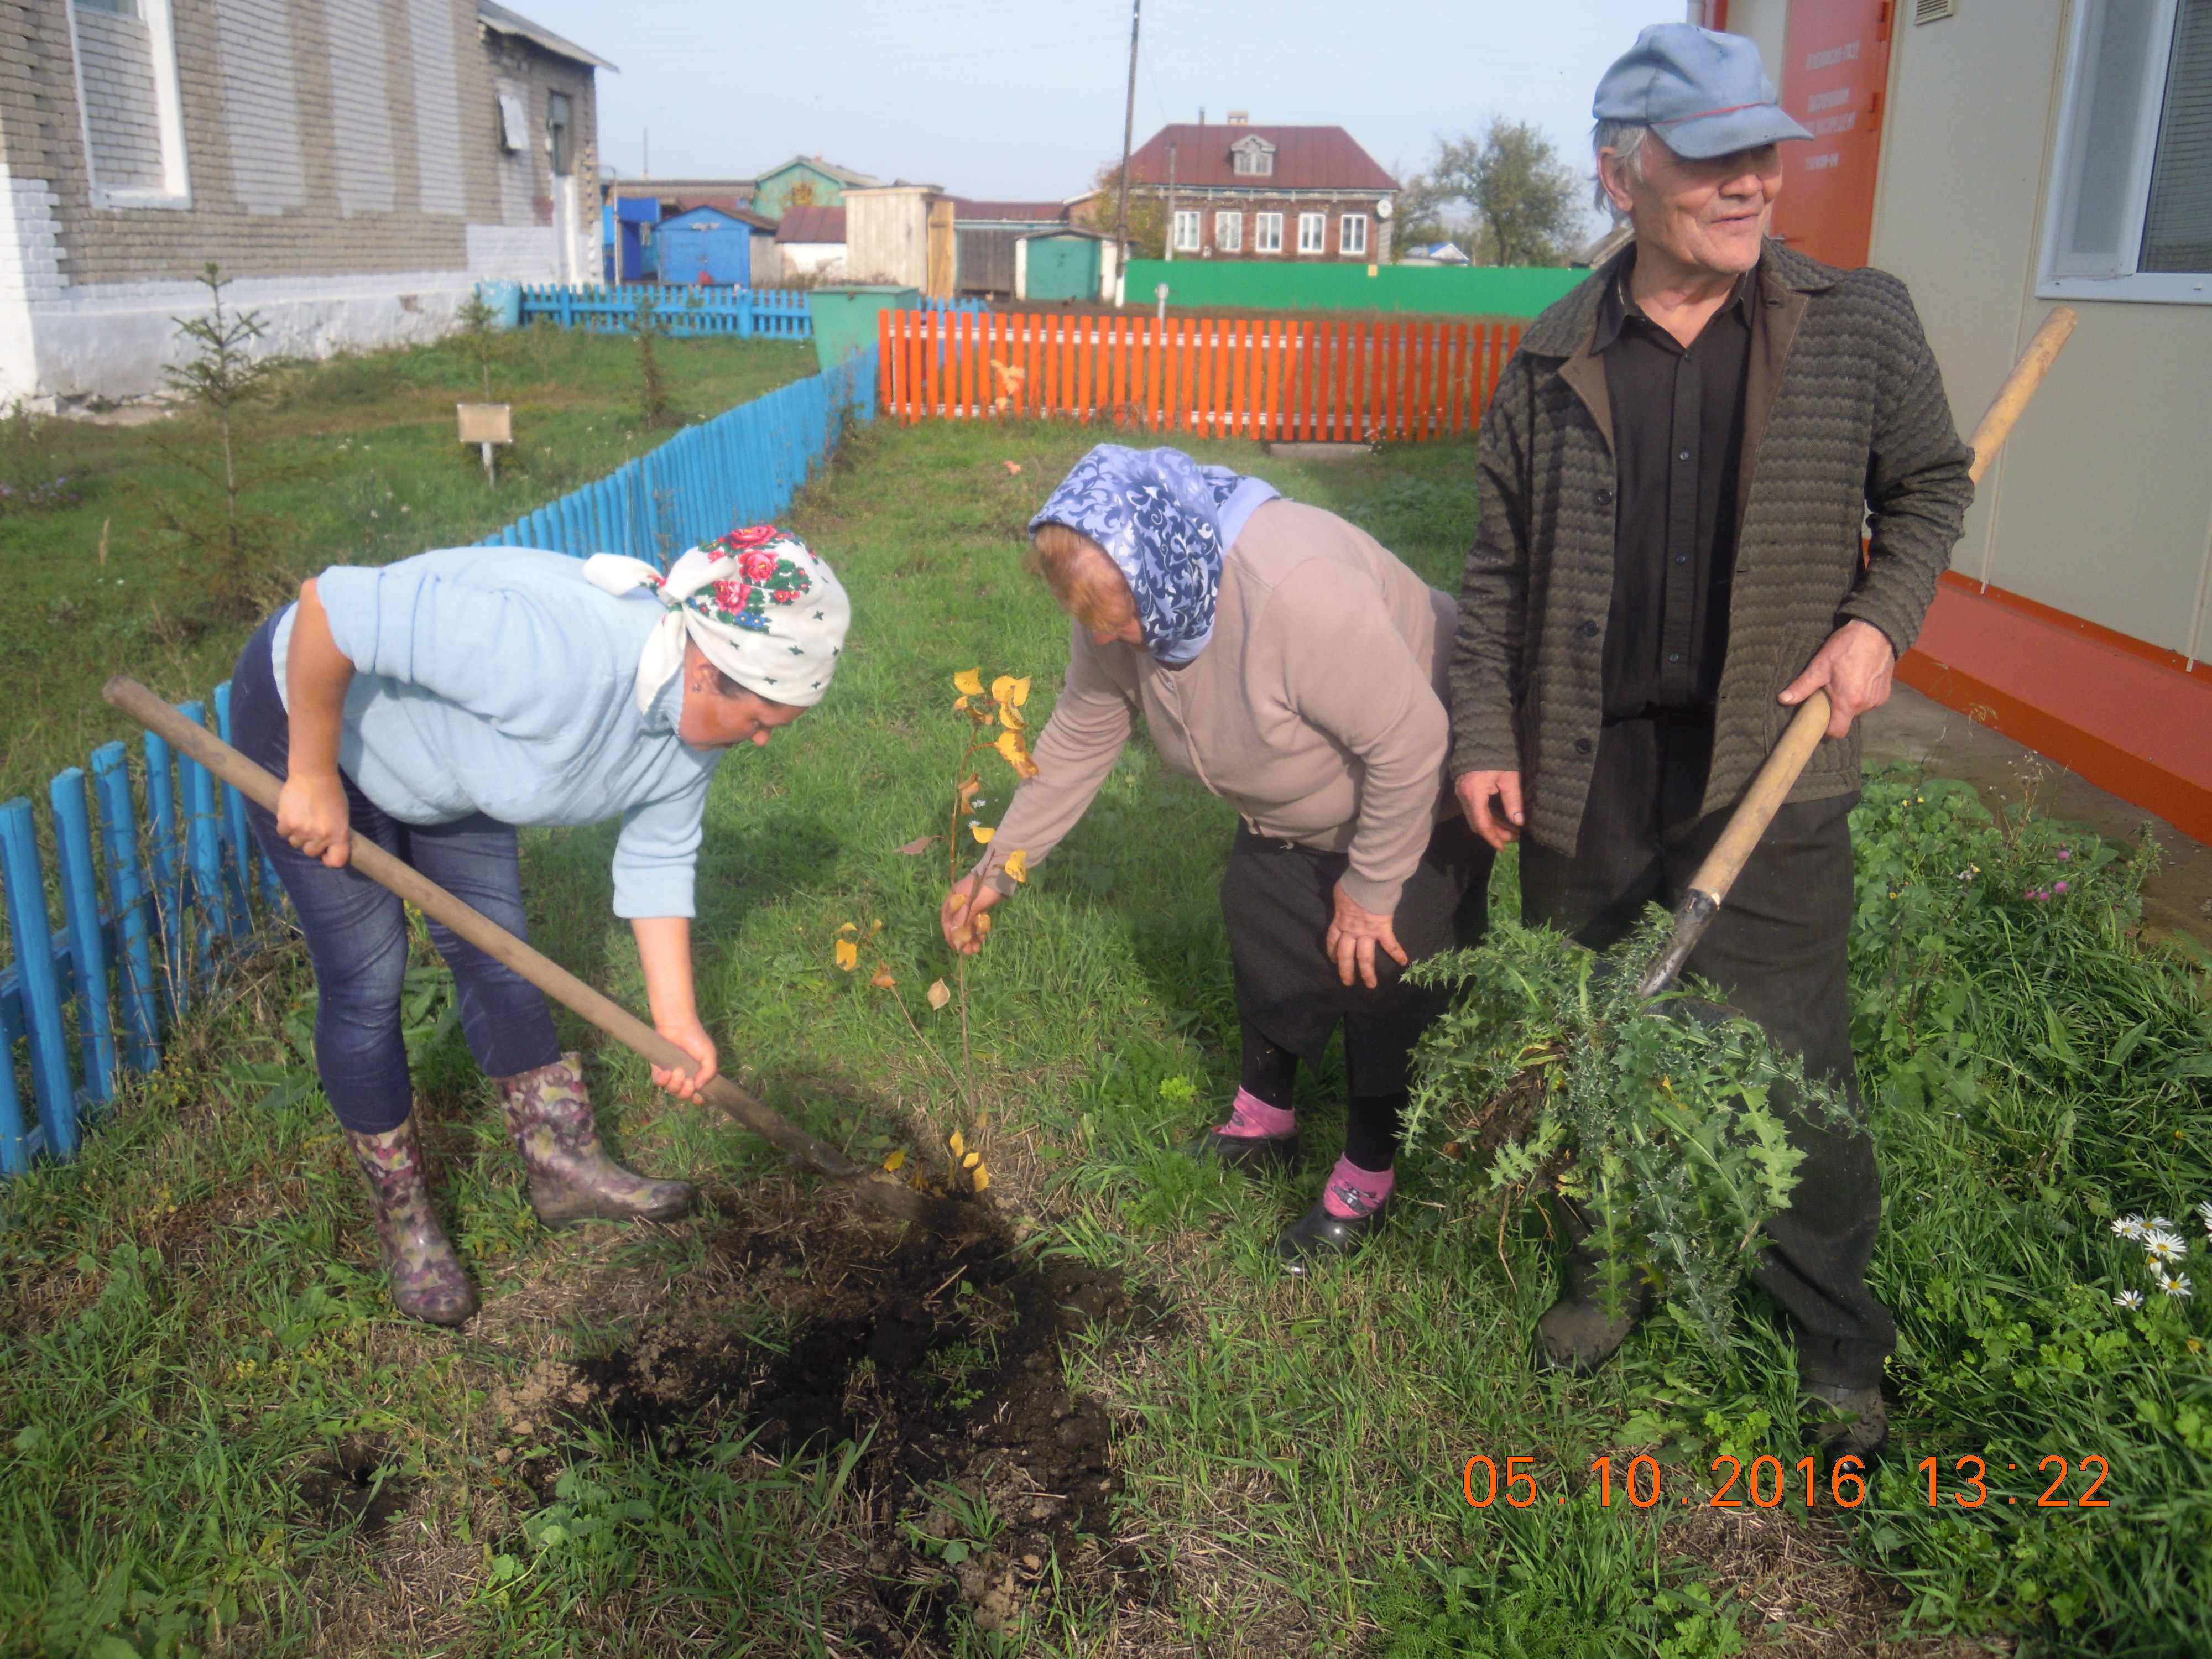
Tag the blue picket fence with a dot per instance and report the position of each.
(739, 468)
(743, 313)
(158, 887)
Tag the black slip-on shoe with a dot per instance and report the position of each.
(1252, 1154)
(1317, 1235)
(1844, 1421)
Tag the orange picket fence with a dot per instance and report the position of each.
(1324, 382)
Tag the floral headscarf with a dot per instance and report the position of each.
(1166, 521)
(760, 604)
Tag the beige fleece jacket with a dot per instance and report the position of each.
(1317, 710)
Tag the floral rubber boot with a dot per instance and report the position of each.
(425, 1275)
(549, 1112)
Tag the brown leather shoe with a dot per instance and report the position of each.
(425, 1276)
(549, 1114)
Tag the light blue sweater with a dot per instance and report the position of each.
(497, 680)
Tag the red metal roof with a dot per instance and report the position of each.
(812, 224)
(1306, 158)
(1026, 212)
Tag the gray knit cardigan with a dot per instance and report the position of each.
(1846, 425)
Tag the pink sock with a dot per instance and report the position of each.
(1353, 1192)
(1251, 1117)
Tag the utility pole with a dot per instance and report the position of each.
(1169, 250)
(1128, 137)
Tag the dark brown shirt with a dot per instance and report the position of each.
(1678, 419)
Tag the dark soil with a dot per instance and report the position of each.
(359, 1483)
(943, 1353)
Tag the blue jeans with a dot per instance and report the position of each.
(356, 931)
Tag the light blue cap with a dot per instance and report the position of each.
(1704, 93)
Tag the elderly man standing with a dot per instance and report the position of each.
(1676, 473)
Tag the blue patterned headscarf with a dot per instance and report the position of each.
(1166, 521)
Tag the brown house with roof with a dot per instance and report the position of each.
(1244, 192)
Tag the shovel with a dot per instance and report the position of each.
(1710, 886)
(875, 1192)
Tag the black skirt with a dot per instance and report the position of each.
(1277, 899)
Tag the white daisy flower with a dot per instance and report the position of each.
(2178, 1286)
(2128, 1300)
(2204, 1214)
(2158, 1223)
(2130, 1227)
(2165, 1246)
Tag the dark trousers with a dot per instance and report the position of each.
(1777, 952)
(1278, 899)
(356, 931)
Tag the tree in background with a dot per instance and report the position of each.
(1148, 212)
(226, 543)
(1522, 205)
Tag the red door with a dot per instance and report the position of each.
(1834, 81)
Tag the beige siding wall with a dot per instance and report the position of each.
(2100, 503)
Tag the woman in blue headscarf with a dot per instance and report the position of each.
(1287, 661)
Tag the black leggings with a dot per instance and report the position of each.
(1370, 1128)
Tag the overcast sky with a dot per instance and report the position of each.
(1023, 99)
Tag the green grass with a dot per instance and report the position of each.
(1292, 1453)
(364, 468)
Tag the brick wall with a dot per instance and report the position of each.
(321, 136)
(115, 63)
(1333, 210)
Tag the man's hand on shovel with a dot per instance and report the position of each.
(1855, 668)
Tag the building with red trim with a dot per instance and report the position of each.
(2005, 158)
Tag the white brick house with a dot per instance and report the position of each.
(358, 166)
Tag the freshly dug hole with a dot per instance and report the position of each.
(942, 1353)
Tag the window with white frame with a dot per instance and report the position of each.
(1229, 232)
(1186, 230)
(2131, 186)
(1352, 233)
(129, 112)
(1267, 233)
(1312, 233)
(1252, 157)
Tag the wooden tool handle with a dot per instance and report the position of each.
(1710, 886)
(261, 785)
(2020, 385)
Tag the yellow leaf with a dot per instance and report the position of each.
(897, 1158)
(939, 996)
(1000, 687)
(1018, 866)
(956, 1144)
(969, 682)
(984, 926)
(1019, 694)
(970, 786)
(1010, 716)
(960, 703)
(1012, 467)
(882, 980)
(982, 1177)
(847, 927)
(982, 832)
(848, 955)
(971, 1160)
(1010, 746)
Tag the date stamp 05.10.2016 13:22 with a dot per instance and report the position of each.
(1767, 1482)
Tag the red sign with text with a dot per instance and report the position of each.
(1834, 81)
